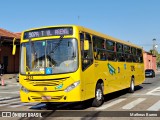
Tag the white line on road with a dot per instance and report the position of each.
(9, 100)
(155, 107)
(110, 104)
(133, 104)
(22, 104)
(10, 92)
(9, 103)
(4, 98)
(153, 92)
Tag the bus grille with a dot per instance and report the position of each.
(46, 82)
(52, 98)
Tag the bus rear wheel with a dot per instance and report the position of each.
(132, 86)
(99, 97)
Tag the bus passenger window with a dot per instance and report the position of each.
(103, 55)
(120, 55)
(110, 45)
(133, 52)
(99, 48)
(140, 56)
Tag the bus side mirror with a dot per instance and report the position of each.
(86, 45)
(14, 47)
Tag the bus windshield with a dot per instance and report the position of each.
(56, 55)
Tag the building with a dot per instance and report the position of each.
(149, 61)
(11, 62)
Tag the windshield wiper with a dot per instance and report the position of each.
(57, 45)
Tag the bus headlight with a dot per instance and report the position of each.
(72, 86)
(24, 89)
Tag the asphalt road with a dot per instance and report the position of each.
(144, 103)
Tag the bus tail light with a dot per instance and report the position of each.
(72, 86)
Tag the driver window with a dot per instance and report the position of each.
(87, 55)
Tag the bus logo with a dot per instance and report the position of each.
(112, 70)
(59, 86)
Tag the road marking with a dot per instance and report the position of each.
(110, 104)
(9, 103)
(13, 101)
(133, 104)
(155, 107)
(9, 100)
(14, 84)
(15, 92)
(155, 91)
(5, 98)
(22, 104)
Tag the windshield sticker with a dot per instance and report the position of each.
(44, 43)
(48, 71)
(59, 86)
(112, 70)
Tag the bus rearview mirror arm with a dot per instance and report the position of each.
(14, 47)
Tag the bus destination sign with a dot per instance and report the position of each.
(48, 32)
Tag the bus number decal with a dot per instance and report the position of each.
(132, 68)
(29, 77)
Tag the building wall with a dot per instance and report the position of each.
(154, 63)
(149, 61)
(11, 62)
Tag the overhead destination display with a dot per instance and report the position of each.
(48, 32)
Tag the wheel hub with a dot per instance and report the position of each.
(99, 94)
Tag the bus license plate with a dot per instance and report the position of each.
(46, 97)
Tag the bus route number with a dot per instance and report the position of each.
(132, 68)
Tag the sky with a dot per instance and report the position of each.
(136, 21)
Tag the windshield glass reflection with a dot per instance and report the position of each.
(54, 56)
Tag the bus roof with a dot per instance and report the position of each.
(92, 32)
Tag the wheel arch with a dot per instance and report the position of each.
(132, 77)
(100, 81)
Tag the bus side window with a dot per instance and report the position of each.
(87, 55)
(127, 52)
(140, 56)
(99, 48)
(133, 52)
(111, 51)
(120, 54)
(82, 42)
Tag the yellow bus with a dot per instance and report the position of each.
(70, 63)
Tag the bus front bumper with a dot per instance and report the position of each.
(58, 96)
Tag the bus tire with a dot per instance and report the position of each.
(99, 97)
(132, 86)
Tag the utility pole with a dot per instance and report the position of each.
(78, 19)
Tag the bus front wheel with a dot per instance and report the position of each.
(99, 98)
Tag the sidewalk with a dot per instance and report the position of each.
(9, 76)
(10, 89)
